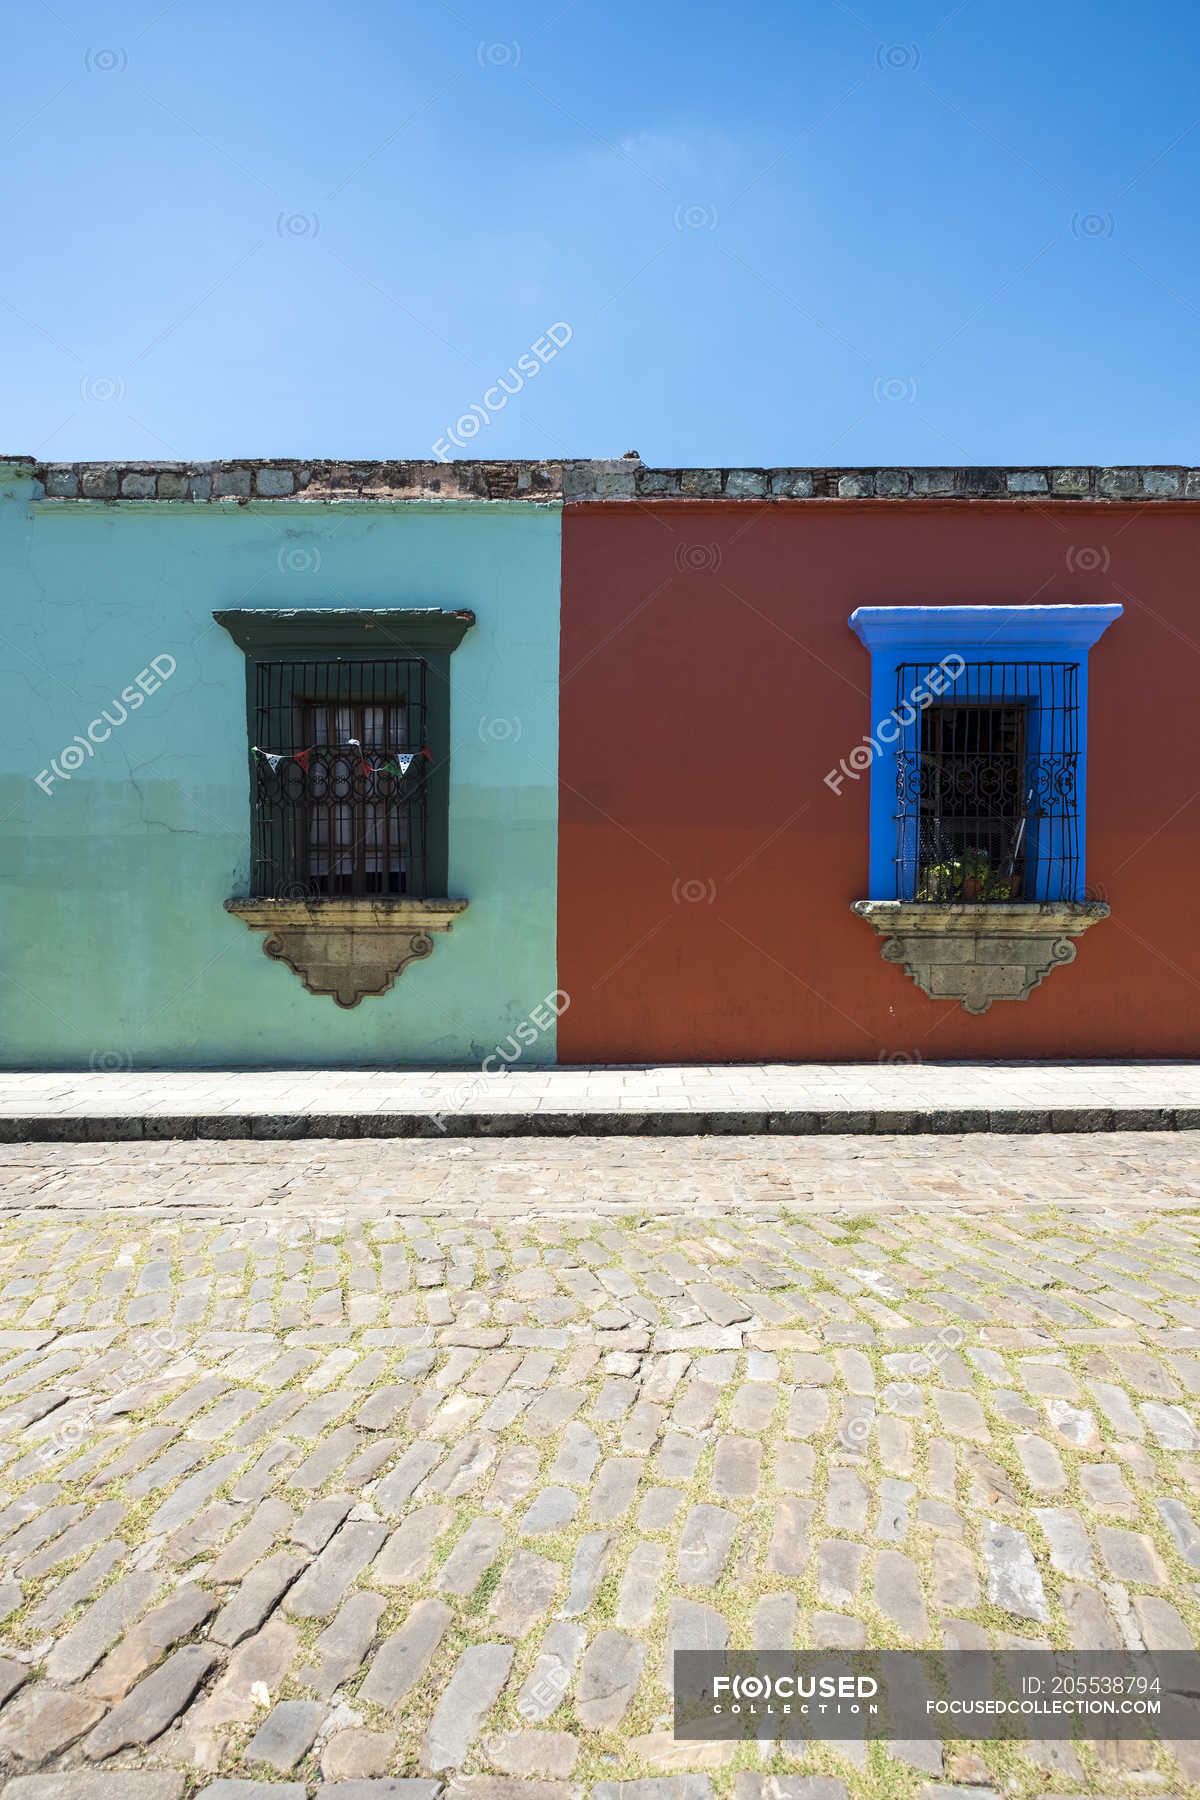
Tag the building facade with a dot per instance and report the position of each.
(445, 764)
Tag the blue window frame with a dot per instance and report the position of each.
(979, 749)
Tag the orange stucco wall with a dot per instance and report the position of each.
(709, 681)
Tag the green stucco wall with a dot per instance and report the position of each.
(116, 950)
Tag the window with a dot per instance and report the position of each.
(350, 713)
(978, 750)
(986, 783)
(971, 824)
(345, 809)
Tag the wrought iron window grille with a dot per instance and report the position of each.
(328, 819)
(986, 783)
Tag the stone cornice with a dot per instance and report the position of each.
(281, 481)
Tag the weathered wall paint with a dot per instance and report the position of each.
(116, 949)
(709, 682)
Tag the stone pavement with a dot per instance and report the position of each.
(368, 1470)
(899, 1093)
(600, 1177)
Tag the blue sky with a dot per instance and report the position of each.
(783, 234)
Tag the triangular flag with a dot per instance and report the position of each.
(397, 765)
(426, 754)
(301, 757)
(268, 756)
(353, 744)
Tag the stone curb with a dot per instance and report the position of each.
(83, 1128)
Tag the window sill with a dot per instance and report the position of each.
(348, 949)
(979, 952)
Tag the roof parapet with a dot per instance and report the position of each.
(586, 480)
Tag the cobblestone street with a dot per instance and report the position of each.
(371, 1469)
(602, 1176)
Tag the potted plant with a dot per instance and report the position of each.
(980, 881)
(941, 881)
(976, 869)
(968, 878)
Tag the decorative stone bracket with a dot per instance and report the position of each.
(348, 948)
(979, 953)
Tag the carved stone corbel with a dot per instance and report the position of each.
(977, 953)
(348, 949)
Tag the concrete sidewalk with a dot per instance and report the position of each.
(748, 1099)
